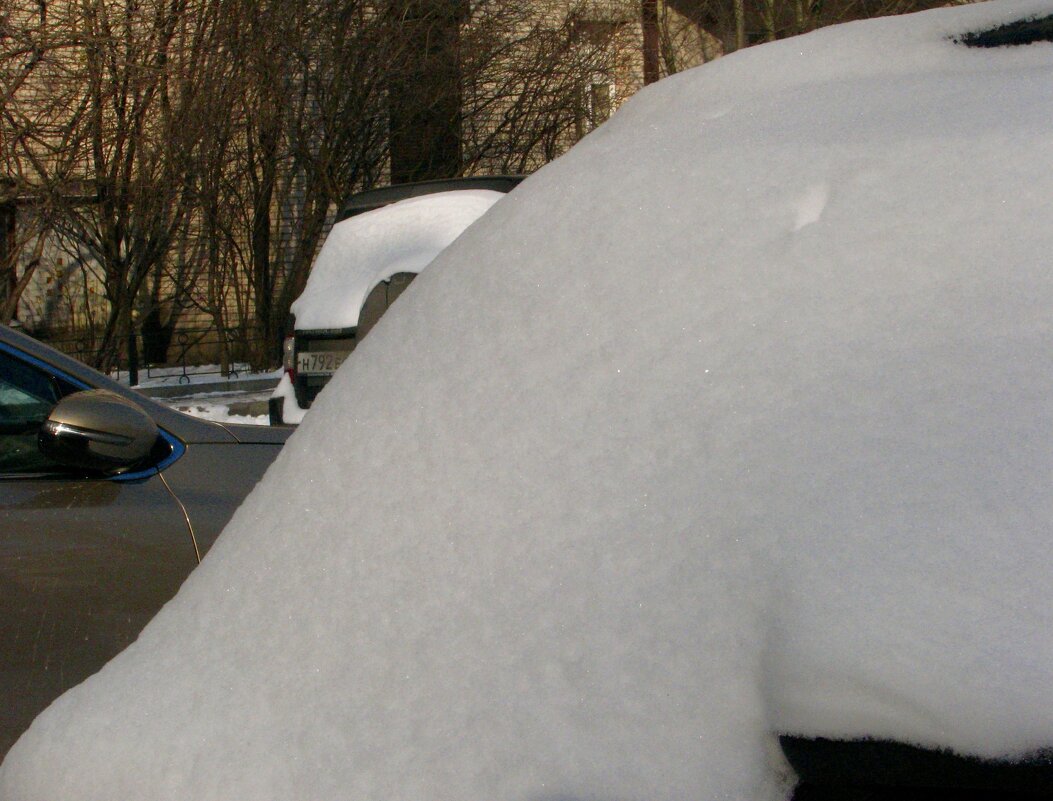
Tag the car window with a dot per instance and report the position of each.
(27, 395)
(379, 299)
(375, 305)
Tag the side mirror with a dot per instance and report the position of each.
(97, 430)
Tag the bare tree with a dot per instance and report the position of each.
(527, 79)
(102, 161)
(307, 126)
(134, 136)
(739, 23)
(35, 131)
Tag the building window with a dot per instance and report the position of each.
(601, 102)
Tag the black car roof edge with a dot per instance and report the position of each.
(370, 199)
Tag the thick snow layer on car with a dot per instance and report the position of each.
(364, 250)
(732, 421)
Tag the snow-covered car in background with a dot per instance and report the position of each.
(381, 240)
(744, 435)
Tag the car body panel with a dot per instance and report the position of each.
(256, 435)
(209, 475)
(80, 575)
(86, 561)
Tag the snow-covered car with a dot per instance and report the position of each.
(745, 444)
(381, 240)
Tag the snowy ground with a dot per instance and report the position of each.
(225, 399)
(249, 408)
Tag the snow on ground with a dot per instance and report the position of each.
(221, 413)
(292, 412)
(732, 421)
(364, 250)
(249, 408)
(204, 391)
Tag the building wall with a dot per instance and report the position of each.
(583, 59)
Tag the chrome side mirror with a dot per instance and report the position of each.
(97, 430)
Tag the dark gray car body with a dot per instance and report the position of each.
(86, 561)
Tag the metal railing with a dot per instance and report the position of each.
(189, 352)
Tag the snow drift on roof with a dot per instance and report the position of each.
(364, 250)
(749, 433)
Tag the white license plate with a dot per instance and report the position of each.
(319, 362)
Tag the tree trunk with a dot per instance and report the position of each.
(740, 24)
(651, 40)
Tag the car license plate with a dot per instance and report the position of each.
(319, 362)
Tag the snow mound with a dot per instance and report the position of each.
(291, 411)
(744, 430)
(364, 250)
